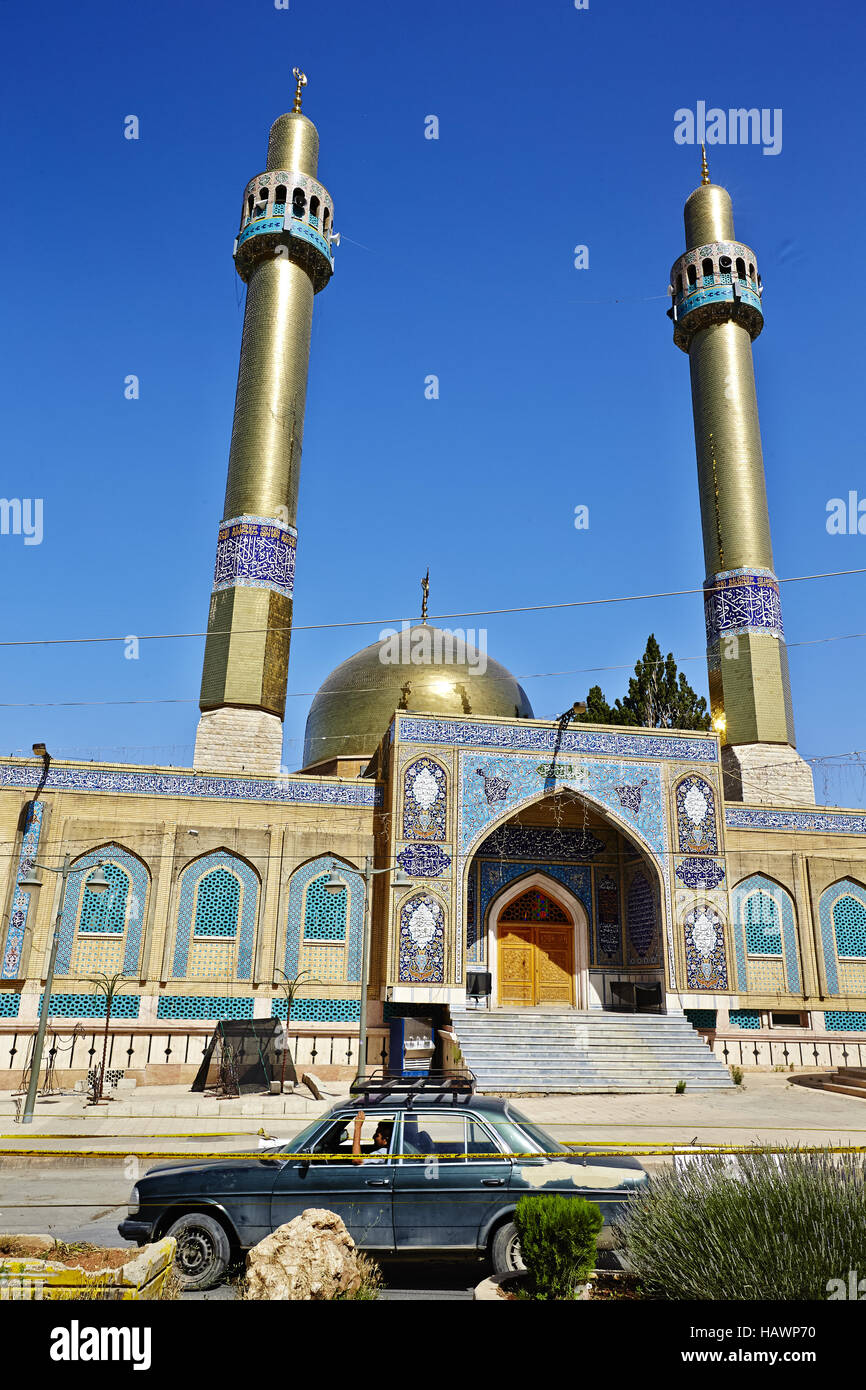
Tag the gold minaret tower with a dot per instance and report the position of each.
(283, 254)
(717, 313)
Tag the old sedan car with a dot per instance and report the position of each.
(456, 1164)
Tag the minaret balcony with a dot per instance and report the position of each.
(714, 284)
(288, 208)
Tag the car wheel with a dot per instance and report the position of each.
(203, 1250)
(505, 1251)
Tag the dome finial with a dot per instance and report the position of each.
(425, 591)
(301, 81)
(705, 173)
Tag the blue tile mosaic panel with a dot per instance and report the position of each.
(422, 941)
(325, 912)
(190, 880)
(785, 916)
(608, 924)
(696, 815)
(844, 1021)
(21, 898)
(299, 884)
(424, 800)
(701, 1018)
(119, 865)
(849, 922)
(217, 904)
(306, 1010)
(521, 736)
(91, 1006)
(762, 922)
(105, 912)
(202, 1006)
(10, 1002)
(745, 1018)
(641, 918)
(704, 937)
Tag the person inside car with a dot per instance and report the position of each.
(381, 1141)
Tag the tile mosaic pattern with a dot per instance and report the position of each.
(699, 874)
(217, 904)
(424, 861)
(10, 1002)
(211, 959)
(306, 1010)
(422, 941)
(90, 1006)
(701, 1018)
(533, 906)
(325, 912)
(849, 922)
(326, 964)
(21, 899)
(298, 886)
(704, 938)
(763, 818)
(640, 915)
(519, 737)
(843, 888)
(495, 874)
(696, 815)
(136, 876)
(544, 843)
(200, 785)
(745, 1018)
(202, 1006)
(424, 800)
(96, 954)
(105, 912)
(608, 931)
(742, 601)
(255, 552)
(747, 969)
(190, 879)
(762, 921)
(844, 1021)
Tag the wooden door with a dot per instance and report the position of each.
(536, 952)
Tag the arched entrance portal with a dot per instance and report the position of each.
(539, 938)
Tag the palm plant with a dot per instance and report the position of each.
(110, 986)
(289, 987)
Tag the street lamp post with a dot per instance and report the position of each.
(335, 884)
(98, 884)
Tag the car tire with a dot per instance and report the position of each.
(203, 1250)
(505, 1251)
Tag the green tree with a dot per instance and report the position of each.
(659, 697)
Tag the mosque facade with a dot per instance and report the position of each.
(556, 866)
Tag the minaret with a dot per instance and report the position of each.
(717, 313)
(283, 253)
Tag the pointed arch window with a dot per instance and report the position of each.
(217, 906)
(849, 927)
(325, 913)
(105, 913)
(533, 906)
(763, 925)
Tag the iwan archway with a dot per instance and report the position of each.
(565, 909)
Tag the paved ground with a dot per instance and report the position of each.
(83, 1197)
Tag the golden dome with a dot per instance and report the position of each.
(355, 705)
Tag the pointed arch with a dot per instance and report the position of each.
(695, 815)
(421, 940)
(555, 890)
(765, 915)
(309, 919)
(234, 889)
(117, 915)
(842, 913)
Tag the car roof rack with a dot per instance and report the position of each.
(382, 1084)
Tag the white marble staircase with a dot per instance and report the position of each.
(521, 1051)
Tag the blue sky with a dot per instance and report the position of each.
(558, 386)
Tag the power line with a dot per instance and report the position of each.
(438, 617)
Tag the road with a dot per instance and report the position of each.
(86, 1204)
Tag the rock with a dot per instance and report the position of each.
(313, 1084)
(308, 1259)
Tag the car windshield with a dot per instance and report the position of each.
(302, 1141)
(523, 1136)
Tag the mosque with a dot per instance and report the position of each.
(609, 900)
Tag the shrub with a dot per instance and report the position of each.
(737, 1075)
(681, 1088)
(557, 1242)
(758, 1226)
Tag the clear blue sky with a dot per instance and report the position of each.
(558, 386)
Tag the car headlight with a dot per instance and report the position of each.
(133, 1203)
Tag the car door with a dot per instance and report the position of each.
(450, 1180)
(362, 1194)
